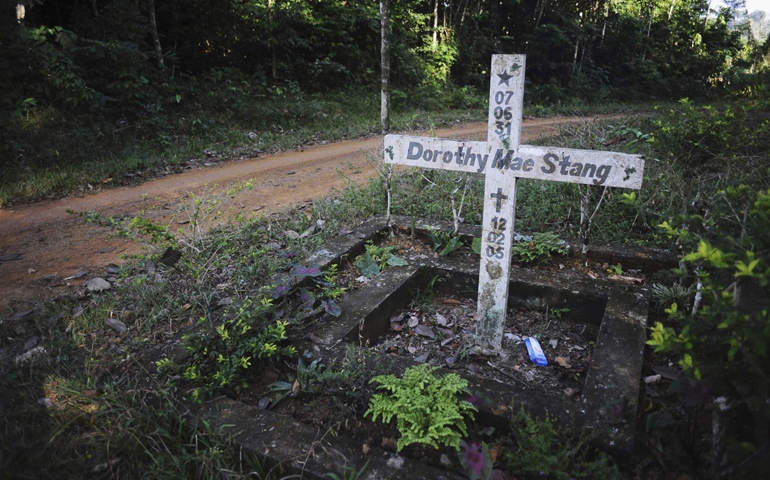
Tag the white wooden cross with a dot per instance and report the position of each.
(503, 160)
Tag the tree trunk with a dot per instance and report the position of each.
(154, 30)
(271, 46)
(575, 56)
(435, 24)
(540, 15)
(586, 220)
(93, 7)
(604, 26)
(385, 66)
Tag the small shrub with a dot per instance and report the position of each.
(426, 407)
(376, 258)
(677, 293)
(539, 249)
(233, 346)
(542, 449)
(444, 241)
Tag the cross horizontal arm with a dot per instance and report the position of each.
(590, 167)
(439, 153)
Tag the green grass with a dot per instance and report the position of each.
(51, 153)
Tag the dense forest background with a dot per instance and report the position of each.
(139, 57)
(98, 89)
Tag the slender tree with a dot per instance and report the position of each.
(385, 66)
(154, 30)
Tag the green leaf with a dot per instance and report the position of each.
(476, 245)
(450, 247)
(367, 265)
(395, 261)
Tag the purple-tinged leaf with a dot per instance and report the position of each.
(290, 255)
(614, 410)
(300, 271)
(332, 308)
(477, 399)
(660, 419)
(476, 460)
(324, 283)
(692, 391)
(306, 298)
(279, 290)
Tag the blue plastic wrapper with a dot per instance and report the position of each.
(535, 351)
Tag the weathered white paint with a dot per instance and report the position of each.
(503, 161)
(528, 161)
(506, 95)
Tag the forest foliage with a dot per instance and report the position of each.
(108, 57)
(99, 89)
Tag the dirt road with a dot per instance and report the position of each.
(41, 244)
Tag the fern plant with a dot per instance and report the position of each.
(426, 407)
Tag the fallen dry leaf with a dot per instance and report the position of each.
(116, 325)
(389, 443)
(397, 326)
(422, 358)
(495, 451)
(90, 393)
(451, 301)
(571, 392)
(425, 331)
(652, 379)
(562, 361)
(500, 410)
(97, 284)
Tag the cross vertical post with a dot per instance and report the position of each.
(506, 95)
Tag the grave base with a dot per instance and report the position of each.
(614, 372)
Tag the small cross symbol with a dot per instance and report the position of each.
(499, 197)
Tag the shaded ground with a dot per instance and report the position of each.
(51, 245)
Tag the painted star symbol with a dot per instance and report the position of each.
(504, 77)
